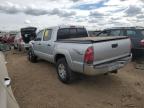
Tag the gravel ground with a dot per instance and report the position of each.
(36, 86)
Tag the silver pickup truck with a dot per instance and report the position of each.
(73, 51)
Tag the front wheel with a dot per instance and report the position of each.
(31, 57)
(64, 72)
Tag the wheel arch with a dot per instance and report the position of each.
(62, 55)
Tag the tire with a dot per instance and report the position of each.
(15, 47)
(31, 57)
(115, 71)
(27, 49)
(65, 74)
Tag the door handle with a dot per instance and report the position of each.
(48, 45)
(7, 81)
(114, 45)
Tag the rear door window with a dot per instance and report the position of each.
(63, 33)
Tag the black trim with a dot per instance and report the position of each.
(90, 41)
(112, 60)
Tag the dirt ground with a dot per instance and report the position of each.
(37, 86)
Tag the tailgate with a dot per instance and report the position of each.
(105, 51)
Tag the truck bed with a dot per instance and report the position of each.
(105, 48)
(92, 39)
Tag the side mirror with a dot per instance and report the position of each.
(7, 82)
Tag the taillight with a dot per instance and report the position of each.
(142, 42)
(89, 55)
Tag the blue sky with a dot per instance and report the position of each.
(90, 6)
(93, 14)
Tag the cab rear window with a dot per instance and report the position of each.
(66, 33)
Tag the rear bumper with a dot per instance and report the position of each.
(106, 67)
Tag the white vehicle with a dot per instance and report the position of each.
(18, 42)
(7, 99)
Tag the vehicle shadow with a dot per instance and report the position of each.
(99, 80)
(138, 61)
(102, 81)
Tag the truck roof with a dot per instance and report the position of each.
(63, 26)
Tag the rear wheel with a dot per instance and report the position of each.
(64, 72)
(115, 71)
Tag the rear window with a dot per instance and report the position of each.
(66, 33)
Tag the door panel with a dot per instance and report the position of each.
(47, 45)
(37, 43)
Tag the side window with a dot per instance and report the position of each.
(103, 33)
(115, 33)
(39, 36)
(47, 35)
(63, 33)
(131, 33)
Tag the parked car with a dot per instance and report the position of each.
(10, 39)
(1, 38)
(23, 38)
(28, 34)
(94, 33)
(18, 42)
(4, 38)
(73, 51)
(136, 34)
(1, 35)
(7, 99)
